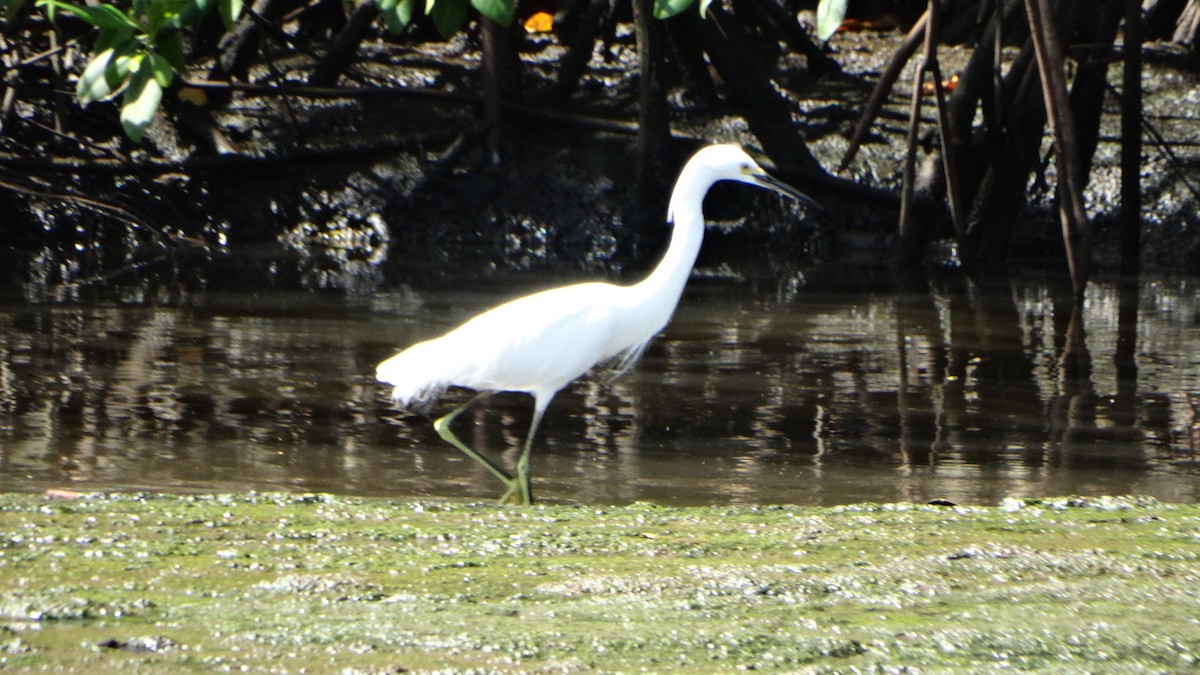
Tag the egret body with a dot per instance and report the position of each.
(541, 342)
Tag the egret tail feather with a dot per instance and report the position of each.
(626, 360)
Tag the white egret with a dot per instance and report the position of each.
(539, 343)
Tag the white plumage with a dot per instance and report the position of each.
(541, 342)
(537, 343)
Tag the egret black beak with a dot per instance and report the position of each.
(772, 183)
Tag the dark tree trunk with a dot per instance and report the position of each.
(654, 133)
(240, 46)
(768, 115)
(1098, 33)
(1131, 141)
(341, 52)
(581, 41)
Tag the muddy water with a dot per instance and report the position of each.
(795, 394)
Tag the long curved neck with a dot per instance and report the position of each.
(662, 288)
(687, 222)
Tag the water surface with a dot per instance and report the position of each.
(799, 393)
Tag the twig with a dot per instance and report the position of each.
(909, 250)
(949, 156)
(886, 81)
(105, 208)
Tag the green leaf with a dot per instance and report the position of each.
(387, 9)
(404, 10)
(161, 69)
(140, 103)
(665, 9)
(170, 46)
(192, 12)
(126, 65)
(155, 15)
(394, 24)
(230, 11)
(93, 85)
(448, 15)
(105, 17)
(500, 11)
(830, 14)
(120, 41)
(396, 14)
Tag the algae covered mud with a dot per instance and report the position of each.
(279, 582)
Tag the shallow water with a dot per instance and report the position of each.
(801, 393)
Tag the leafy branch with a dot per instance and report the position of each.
(448, 16)
(137, 51)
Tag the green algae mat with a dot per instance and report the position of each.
(320, 583)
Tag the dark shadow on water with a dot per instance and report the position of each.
(809, 391)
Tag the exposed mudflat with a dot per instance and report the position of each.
(289, 582)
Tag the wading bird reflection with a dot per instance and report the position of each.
(539, 343)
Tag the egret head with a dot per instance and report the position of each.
(730, 162)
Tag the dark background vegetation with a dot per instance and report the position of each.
(374, 153)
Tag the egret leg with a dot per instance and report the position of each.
(521, 487)
(442, 426)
